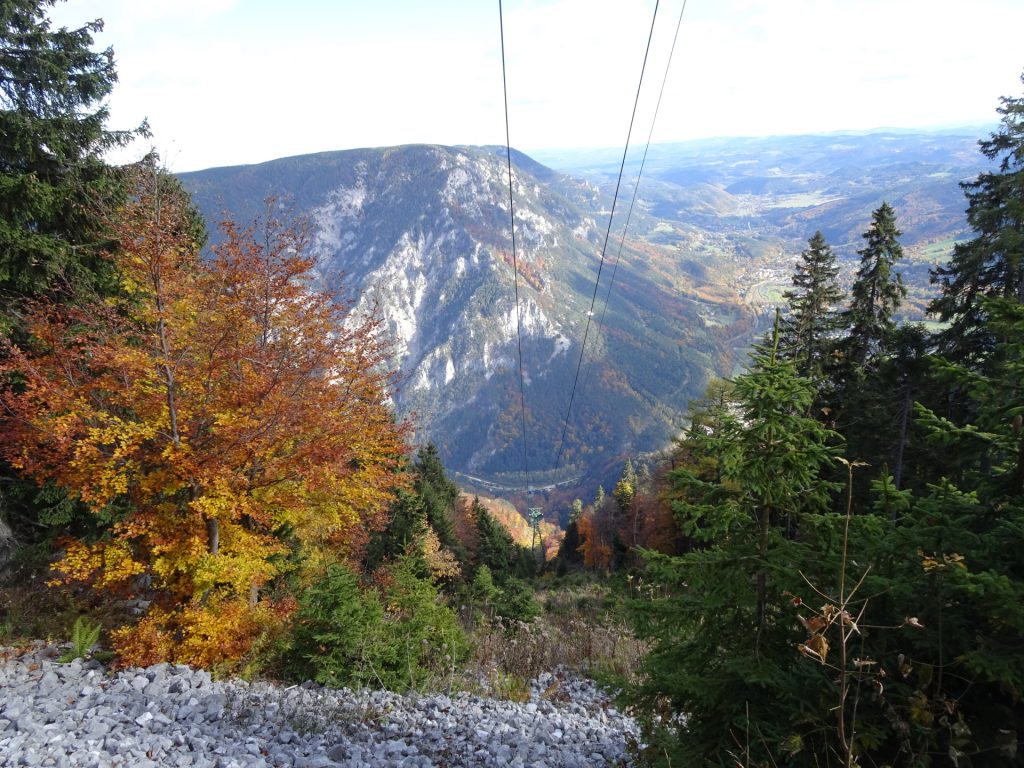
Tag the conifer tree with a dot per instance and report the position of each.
(956, 565)
(807, 331)
(992, 263)
(406, 527)
(438, 494)
(417, 515)
(568, 550)
(54, 184)
(495, 547)
(721, 646)
(625, 489)
(54, 191)
(864, 388)
(876, 294)
(576, 511)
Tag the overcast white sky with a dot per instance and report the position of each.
(225, 82)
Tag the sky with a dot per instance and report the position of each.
(230, 82)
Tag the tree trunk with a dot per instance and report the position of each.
(762, 574)
(213, 535)
(904, 418)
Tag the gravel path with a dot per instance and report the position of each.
(79, 715)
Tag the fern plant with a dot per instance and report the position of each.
(84, 635)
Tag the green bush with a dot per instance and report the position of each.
(335, 621)
(345, 635)
(515, 601)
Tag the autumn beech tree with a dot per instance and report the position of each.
(207, 410)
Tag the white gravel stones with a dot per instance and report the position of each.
(79, 714)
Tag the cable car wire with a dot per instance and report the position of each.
(604, 247)
(515, 263)
(639, 175)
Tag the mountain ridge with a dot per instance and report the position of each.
(421, 232)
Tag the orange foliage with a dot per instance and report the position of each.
(510, 518)
(595, 540)
(211, 404)
(200, 634)
(655, 525)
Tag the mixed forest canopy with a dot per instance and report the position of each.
(846, 582)
(826, 568)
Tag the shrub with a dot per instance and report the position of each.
(329, 638)
(345, 635)
(420, 639)
(515, 601)
(218, 633)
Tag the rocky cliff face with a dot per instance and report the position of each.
(421, 235)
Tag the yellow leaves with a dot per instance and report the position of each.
(174, 550)
(106, 564)
(218, 631)
(931, 563)
(440, 561)
(244, 561)
(219, 504)
(104, 459)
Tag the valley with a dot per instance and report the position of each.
(419, 235)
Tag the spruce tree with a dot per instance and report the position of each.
(876, 294)
(568, 550)
(749, 493)
(495, 547)
(54, 183)
(438, 495)
(55, 189)
(430, 507)
(953, 561)
(625, 489)
(807, 331)
(862, 395)
(992, 263)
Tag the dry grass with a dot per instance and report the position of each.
(581, 629)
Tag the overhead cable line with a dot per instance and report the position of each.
(639, 175)
(607, 235)
(515, 264)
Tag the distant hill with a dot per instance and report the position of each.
(756, 201)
